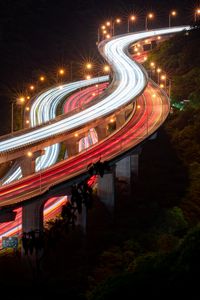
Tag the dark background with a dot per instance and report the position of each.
(39, 36)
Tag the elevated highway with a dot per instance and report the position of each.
(130, 80)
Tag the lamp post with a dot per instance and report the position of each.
(131, 18)
(109, 29)
(60, 73)
(171, 14)
(12, 104)
(148, 16)
(163, 77)
(196, 14)
(21, 101)
(118, 21)
(169, 88)
(158, 72)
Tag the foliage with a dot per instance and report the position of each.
(180, 60)
(98, 168)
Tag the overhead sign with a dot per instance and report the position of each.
(10, 242)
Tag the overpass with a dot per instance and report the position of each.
(148, 112)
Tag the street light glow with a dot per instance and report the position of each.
(150, 16)
(61, 71)
(132, 18)
(152, 64)
(173, 13)
(163, 77)
(29, 154)
(106, 68)
(89, 66)
(22, 99)
(197, 13)
(42, 78)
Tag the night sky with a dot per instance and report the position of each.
(37, 36)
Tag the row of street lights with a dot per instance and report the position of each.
(108, 29)
(22, 99)
(161, 78)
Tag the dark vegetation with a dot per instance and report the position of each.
(149, 246)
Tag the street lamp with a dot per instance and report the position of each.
(106, 69)
(88, 66)
(118, 21)
(88, 77)
(20, 101)
(197, 14)
(132, 19)
(32, 87)
(158, 71)
(171, 14)
(61, 72)
(148, 16)
(42, 78)
(163, 77)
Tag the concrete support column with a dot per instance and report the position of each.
(135, 166)
(123, 169)
(123, 175)
(127, 172)
(101, 131)
(27, 163)
(72, 146)
(106, 190)
(82, 219)
(128, 110)
(32, 215)
(32, 221)
(127, 167)
(120, 119)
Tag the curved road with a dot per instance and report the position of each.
(151, 116)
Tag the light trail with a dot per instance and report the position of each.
(130, 81)
(54, 205)
(43, 110)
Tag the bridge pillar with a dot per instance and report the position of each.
(101, 131)
(120, 119)
(135, 166)
(27, 163)
(81, 220)
(127, 171)
(129, 109)
(72, 146)
(106, 190)
(32, 215)
(32, 220)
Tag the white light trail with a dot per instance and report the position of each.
(130, 81)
